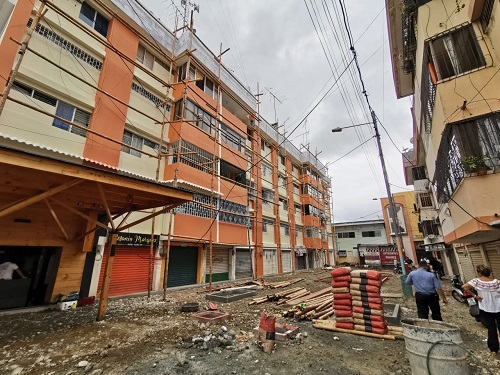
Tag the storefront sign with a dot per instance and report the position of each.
(136, 239)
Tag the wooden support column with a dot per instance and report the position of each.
(103, 300)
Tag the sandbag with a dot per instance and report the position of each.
(367, 299)
(340, 284)
(267, 332)
(341, 296)
(370, 323)
(357, 280)
(343, 313)
(342, 307)
(373, 275)
(342, 278)
(367, 311)
(342, 271)
(353, 293)
(344, 319)
(375, 306)
(380, 331)
(373, 318)
(340, 290)
(344, 325)
(365, 288)
(343, 302)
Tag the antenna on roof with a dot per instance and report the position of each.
(187, 7)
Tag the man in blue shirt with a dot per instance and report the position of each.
(427, 292)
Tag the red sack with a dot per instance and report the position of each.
(344, 325)
(373, 275)
(375, 306)
(364, 294)
(357, 280)
(373, 318)
(380, 331)
(365, 288)
(342, 278)
(342, 307)
(366, 311)
(367, 299)
(369, 323)
(342, 302)
(343, 313)
(341, 284)
(337, 296)
(342, 271)
(267, 332)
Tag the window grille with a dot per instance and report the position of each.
(150, 96)
(486, 13)
(425, 200)
(193, 156)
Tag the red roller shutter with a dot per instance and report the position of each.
(130, 271)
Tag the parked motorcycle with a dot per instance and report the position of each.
(398, 269)
(464, 297)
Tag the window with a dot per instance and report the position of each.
(233, 173)
(298, 230)
(282, 181)
(342, 253)
(263, 145)
(267, 196)
(35, 94)
(286, 228)
(456, 52)
(425, 200)
(418, 173)
(133, 140)
(196, 115)
(72, 114)
(429, 227)
(479, 137)
(206, 85)
(309, 209)
(294, 168)
(147, 59)
(346, 235)
(486, 13)
(94, 19)
(298, 208)
(371, 233)
(266, 169)
(282, 159)
(265, 223)
(231, 138)
(150, 96)
(284, 204)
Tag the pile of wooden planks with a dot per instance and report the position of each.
(281, 297)
(278, 284)
(392, 334)
(316, 305)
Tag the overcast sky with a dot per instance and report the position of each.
(275, 43)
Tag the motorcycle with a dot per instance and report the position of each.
(464, 297)
(397, 269)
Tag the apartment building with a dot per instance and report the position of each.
(192, 184)
(350, 236)
(445, 58)
(409, 227)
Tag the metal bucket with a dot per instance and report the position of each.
(421, 337)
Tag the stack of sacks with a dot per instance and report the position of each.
(368, 307)
(342, 298)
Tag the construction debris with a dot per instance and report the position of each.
(330, 325)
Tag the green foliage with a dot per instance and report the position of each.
(472, 163)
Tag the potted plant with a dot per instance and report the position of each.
(474, 164)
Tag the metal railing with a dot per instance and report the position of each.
(486, 13)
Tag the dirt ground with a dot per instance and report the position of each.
(141, 336)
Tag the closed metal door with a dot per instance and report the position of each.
(220, 264)
(475, 256)
(301, 262)
(466, 264)
(492, 250)
(182, 266)
(243, 266)
(270, 262)
(286, 260)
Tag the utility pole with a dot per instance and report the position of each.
(392, 207)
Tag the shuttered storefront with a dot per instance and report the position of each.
(182, 266)
(286, 260)
(475, 256)
(220, 264)
(243, 266)
(492, 250)
(130, 271)
(465, 263)
(270, 261)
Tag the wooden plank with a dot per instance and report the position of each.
(103, 299)
(330, 326)
(310, 296)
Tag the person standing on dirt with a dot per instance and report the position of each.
(427, 292)
(488, 297)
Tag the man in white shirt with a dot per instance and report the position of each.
(7, 270)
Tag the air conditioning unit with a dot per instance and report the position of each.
(426, 185)
(436, 221)
(431, 237)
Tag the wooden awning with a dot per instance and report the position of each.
(29, 179)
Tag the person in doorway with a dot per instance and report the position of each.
(7, 270)
(488, 297)
(427, 292)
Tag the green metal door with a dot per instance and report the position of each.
(182, 266)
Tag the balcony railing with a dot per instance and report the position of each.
(427, 97)
(486, 13)
(409, 39)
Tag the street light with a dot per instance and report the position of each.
(392, 211)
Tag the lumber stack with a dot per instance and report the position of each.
(313, 306)
(278, 284)
(281, 297)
